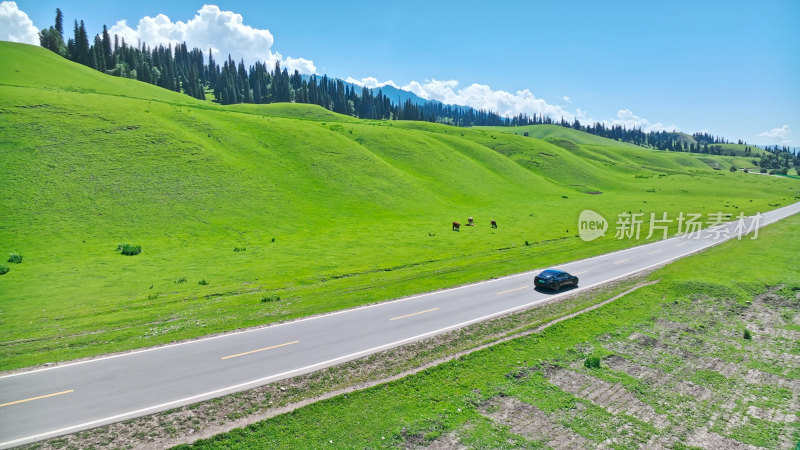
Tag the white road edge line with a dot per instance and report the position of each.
(764, 223)
(305, 369)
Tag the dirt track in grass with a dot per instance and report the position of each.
(686, 377)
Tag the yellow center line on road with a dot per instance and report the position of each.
(682, 243)
(414, 314)
(622, 261)
(260, 350)
(36, 398)
(512, 290)
(654, 252)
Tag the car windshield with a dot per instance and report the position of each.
(549, 273)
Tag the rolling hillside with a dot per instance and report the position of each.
(734, 154)
(559, 132)
(251, 214)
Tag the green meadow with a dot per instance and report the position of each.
(252, 214)
(735, 154)
(674, 371)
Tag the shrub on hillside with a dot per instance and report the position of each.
(15, 258)
(592, 362)
(4, 269)
(747, 334)
(733, 168)
(203, 282)
(129, 249)
(270, 298)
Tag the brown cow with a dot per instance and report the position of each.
(494, 224)
(456, 226)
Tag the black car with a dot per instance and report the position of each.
(555, 279)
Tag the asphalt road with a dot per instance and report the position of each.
(62, 399)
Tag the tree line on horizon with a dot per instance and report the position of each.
(183, 70)
(779, 159)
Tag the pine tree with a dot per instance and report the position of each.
(60, 23)
(108, 59)
(97, 55)
(78, 47)
(53, 38)
(213, 69)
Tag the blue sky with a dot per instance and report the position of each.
(730, 68)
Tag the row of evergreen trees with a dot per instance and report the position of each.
(705, 138)
(233, 83)
(179, 70)
(662, 140)
(183, 70)
(779, 159)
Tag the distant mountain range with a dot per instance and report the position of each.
(399, 96)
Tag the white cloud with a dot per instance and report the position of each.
(224, 32)
(566, 99)
(126, 33)
(629, 120)
(481, 96)
(16, 26)
(301, 65)
(370, 82)
(777, 135)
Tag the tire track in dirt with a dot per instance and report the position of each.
(531, 423)
(611, 396)
(708, 439)
(693, 336)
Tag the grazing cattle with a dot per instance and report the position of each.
(470, 222)
(456, 226)
(494, 224)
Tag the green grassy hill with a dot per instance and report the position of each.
(559, 132)
(734, 154)
(735, 149)
(331, 211)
